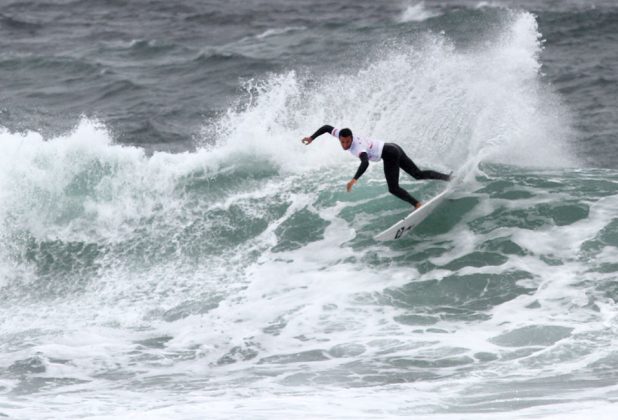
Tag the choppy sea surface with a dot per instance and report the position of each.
(170, 249)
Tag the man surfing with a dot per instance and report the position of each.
(392, 154)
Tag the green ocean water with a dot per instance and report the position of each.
(237, 278)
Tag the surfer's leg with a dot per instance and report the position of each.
(407, 165)
(391, 173)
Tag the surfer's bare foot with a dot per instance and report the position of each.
(418, 205)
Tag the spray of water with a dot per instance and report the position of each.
(448, 107)
(225, 254)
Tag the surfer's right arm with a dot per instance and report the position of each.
(322, 130)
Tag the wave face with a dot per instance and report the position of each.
(237, 277)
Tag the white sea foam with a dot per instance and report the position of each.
(279, 31)
(312, 329)
(417, 12)
(489, 4)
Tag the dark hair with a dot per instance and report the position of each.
(345, 132)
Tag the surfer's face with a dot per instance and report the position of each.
(346, 142)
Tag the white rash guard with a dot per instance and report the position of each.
(373, 148)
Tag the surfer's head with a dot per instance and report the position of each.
(345, 138)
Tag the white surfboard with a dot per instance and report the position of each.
(414, 219)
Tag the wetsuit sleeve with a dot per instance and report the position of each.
(363, 166)
(322, 130)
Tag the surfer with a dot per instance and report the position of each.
(392, 154)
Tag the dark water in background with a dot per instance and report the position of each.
(169, 249)
(155, 72)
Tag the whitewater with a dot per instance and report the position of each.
(238, 278)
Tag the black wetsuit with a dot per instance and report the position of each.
(394, 158)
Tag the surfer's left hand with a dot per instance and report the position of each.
(350, 184)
